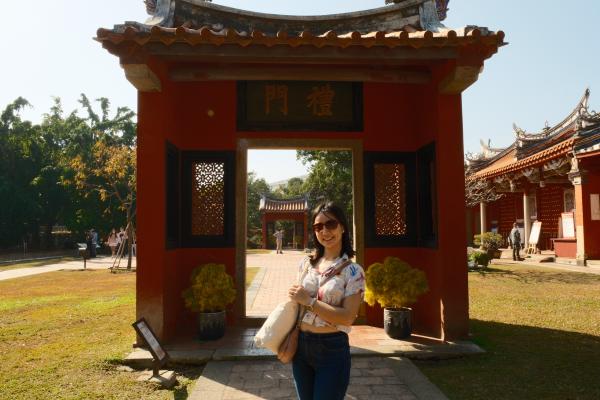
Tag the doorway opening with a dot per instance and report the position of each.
(278, 196)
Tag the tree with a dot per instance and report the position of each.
(20, 155)
(330, 178)
(256, 189)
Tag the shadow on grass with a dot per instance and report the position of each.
(522, 362)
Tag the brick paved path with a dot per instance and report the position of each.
(371, 378)
(278, 273)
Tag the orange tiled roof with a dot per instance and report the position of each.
(205, 35)
(294, 205)
(503, 165)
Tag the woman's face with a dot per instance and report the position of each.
(329, 236)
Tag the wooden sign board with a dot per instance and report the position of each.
(595, 206)
(534, 236)
(568, 224)
(156, 349)
(299, 106)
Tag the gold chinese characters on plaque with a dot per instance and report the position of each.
(299, 106)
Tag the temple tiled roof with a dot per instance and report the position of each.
(298, 205)
(413, 23)
(537, 148)
(506, 165)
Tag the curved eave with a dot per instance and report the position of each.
(205, 35)
(559, 149)
(569, 123)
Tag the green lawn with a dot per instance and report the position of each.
(258, 251)
(541, 331)
(250, 274)
(37, 263)
(62, 336)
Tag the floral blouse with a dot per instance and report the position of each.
(350, 281)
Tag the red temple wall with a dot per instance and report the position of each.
(550, 205)
(590, 186)
(201, 116)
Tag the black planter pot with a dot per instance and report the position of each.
(211, 326)
(397, 322)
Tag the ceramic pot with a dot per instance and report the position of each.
(397, 322)
(211, 326)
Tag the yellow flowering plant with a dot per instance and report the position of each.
(212, 289)
(394, 283)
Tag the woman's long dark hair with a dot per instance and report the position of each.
(331, 209)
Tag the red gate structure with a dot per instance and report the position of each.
(385, 83)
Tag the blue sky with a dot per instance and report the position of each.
(552, 56)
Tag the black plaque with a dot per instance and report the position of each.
(300, 106)
(158, 352)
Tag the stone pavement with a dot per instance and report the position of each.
(269, 288)
(535, 260)
(371, 378)
(100, 262)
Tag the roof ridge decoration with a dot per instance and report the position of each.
(579, 112)
(419, 14)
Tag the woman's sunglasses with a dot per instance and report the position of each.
(330, 225)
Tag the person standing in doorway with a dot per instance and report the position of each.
(515, 242)
(279, 240)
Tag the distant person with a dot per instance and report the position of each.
(88, 243)
(94, 243)
(279, 240)
(112, 242)
(514, 238)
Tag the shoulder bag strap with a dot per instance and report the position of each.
(336, 271)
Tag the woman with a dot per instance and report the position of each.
(321, 365)
(112, 242)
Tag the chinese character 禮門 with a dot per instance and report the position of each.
(276, 93)
(320, 100)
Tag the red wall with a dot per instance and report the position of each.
(591, 185)
(396, 118)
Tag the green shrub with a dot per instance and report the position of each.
(394, 283)
(489, 240)
(212, 289)
(479, 258)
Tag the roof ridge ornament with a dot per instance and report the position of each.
(429, 17)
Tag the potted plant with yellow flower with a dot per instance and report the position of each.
(211, 291)
(395, 285)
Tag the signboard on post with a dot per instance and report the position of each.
(158, 352)
(534, 237)
(568, 225)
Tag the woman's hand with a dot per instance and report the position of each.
(299, 295)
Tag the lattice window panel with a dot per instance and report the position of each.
(390, 199)
(208, 199)
(550, 207)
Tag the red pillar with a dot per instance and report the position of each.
(264, 230)
(305, 237)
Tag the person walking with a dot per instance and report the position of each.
(279, 240)
(94, 243)
(112, 242)
(514, 238)
(321, 365)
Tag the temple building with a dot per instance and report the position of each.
(550, 177)
(384, 84)
(296, 210)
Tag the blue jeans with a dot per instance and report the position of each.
(322, 366)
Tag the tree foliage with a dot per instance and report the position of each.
(329, 178)
(43, 169)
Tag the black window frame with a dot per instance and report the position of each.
(408, 159)
(427, 201)
(208, 241)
